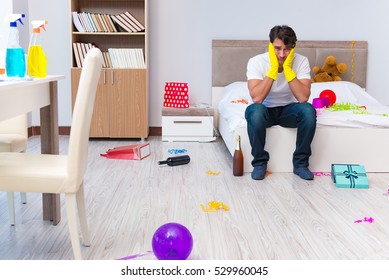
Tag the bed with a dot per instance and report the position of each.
(341, 136)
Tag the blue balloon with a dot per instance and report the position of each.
(172, 241)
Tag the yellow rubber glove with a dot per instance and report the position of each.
(288, 72)
(273, 72)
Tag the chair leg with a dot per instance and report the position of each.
(82, 216)
(11, 207)
(23, 197)
(71, 211)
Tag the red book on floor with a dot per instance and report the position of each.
(135, 151)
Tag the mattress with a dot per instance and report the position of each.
(354, 107)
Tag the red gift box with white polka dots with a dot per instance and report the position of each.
(176, 95)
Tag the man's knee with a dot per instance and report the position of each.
(308, 113)
(255, 112)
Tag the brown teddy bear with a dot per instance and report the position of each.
(330, 71)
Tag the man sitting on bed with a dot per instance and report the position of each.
(279, 82)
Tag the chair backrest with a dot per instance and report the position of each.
(16, 125)
(82, 115)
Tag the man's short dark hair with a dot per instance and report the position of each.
(285, 33)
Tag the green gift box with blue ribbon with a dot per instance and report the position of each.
(349, 176)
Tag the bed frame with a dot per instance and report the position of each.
(368, 147)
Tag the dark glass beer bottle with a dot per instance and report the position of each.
(237, 161)
(173, 161)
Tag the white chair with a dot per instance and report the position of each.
(13, 138)
(61, 174)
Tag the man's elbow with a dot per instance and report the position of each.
(303, 99)
(257, 100)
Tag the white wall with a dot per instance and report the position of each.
(181, 32)
(56, 45)
(6, 8)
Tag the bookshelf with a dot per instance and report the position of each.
(121, 106)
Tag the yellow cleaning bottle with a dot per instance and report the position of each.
(36, 58)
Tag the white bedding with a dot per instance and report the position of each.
(232, 107)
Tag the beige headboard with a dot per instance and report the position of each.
(230, 57)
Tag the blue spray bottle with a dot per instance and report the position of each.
(15, 60)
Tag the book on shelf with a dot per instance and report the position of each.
(127, 57)
(107, 61)
(110, 23)
(122, 23)
(113, 57)
(104, 61)
(77, 22)
(118, 23)
(130, 23)
(77, 55)
(93, 22)
(97, 22)
(83, 23)
(84, 18)
(132, 152)
(106, 27)
(83, 50)
(80, 53)
(135, 21)
(80, 50)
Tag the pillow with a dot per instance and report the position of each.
(233, 112)
(236, 91)
(344, 91)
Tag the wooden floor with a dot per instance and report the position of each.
(280, 218)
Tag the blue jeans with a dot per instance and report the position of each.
(295, 115)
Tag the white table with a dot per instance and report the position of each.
(19, 97)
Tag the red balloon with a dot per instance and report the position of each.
(329, 94)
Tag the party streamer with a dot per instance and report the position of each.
(365, 219)
(136, 256)
(177, 151)
(210, 172)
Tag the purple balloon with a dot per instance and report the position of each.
(172, 241)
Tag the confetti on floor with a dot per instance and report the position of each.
(321, 174)
(177, 151)
(210, 172)
(214, 206)
(365, 219)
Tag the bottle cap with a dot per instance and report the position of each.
(38, 24)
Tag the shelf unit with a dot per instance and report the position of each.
(121, 106)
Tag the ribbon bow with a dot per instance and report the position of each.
(352, 174)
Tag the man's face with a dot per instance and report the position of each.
(281, 50)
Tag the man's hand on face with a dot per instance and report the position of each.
(273, 72)
(288, 71)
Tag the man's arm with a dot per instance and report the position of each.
(259, 89)
(301, 89)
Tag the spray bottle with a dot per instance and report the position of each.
(15, 61)
(36, 58)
